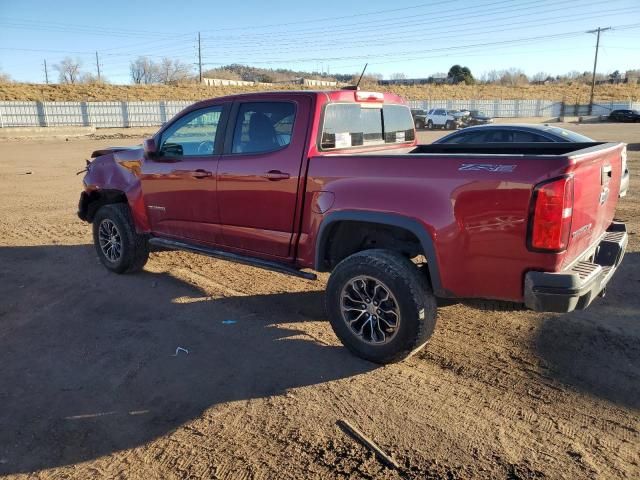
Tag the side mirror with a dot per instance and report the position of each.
(150, 147)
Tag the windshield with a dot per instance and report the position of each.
(349, 125)
(568, 134)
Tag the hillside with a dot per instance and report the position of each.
(575, 93)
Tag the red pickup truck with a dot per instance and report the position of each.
(335, 181)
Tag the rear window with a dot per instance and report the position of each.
(349, 125)
(568, 135)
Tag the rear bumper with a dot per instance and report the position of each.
(577, 287)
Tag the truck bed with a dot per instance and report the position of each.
(475, 201)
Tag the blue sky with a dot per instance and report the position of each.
(412, 37)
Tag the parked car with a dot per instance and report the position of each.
(442, 118)
(419, 118)
(510, 133)
(476, 117)
(525, 133)
(462, 113)
(625, 116)
(334, 182)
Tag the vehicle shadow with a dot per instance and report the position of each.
(88, 357)
(597, 350)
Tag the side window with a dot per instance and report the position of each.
(192, 135)
(440, 112)
(263, 127)
(430, 112)
(468, 137)
(499, 136)
(527, 137)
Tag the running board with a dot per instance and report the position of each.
(233, 257)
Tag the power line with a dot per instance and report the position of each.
(497, 28)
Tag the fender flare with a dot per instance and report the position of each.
(390, 219)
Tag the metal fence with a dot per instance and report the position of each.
(143, 114)
(525, 108)
(88, 114)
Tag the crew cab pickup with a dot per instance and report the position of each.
(335, 182)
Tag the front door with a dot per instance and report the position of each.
(179, 182)
(258, 174)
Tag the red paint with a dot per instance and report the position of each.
(477, 220)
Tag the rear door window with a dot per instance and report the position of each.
(349, 125)
(263, 127)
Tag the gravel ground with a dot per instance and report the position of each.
(90, 386)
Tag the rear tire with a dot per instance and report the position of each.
(448, 125)
(363, 291)
(117, 244)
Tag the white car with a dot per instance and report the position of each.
(442, 118)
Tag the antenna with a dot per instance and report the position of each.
(361, 75)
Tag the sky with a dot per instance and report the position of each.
(410, 37)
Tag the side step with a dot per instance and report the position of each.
(233, 257)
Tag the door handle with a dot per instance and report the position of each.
(201, 173)
(274, 175)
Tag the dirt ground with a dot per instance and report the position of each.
(90, 386)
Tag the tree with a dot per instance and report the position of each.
(398, 76)
(513, 77)
(5, 78)
(173, 71)
(69, 70)
(144, 71)
(615, 77)
(89, 78)
(540, 77)
(458, 74)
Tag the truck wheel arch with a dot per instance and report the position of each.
(410, 225)
(90, 202)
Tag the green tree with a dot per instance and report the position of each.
(459, 74)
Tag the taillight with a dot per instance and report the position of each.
(369, 96)
(551, 215)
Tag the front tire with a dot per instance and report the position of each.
(430, 125)
(117, 244)
(380, 306)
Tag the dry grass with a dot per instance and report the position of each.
(575, 93)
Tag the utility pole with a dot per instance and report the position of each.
(98, 66)
(595, 64)
(46, 73)
(199, 59)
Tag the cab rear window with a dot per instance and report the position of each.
(348, 125)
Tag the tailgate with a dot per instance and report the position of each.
(597, 173)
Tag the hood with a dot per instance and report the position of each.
(107, 150)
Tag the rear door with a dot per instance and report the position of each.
(259, 172)
(179, 183)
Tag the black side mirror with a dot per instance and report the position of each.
(150, 147)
